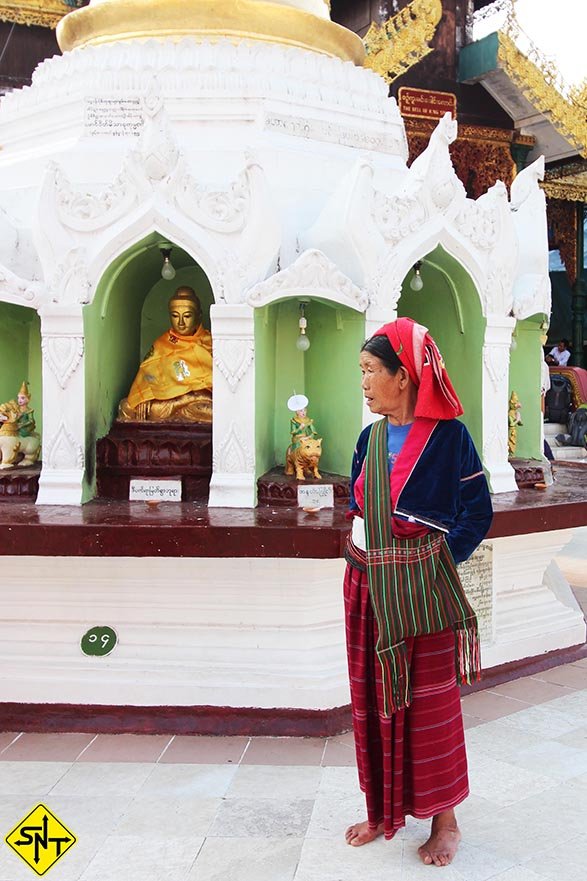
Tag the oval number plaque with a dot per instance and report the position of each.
(99, 641)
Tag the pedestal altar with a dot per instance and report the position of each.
(278, 489)
(20, 483)
(151, 449)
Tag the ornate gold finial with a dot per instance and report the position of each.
(403, 40)
(282, 21)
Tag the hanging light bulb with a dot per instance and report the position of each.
(168, 270)
(416, 284)
(302, 342)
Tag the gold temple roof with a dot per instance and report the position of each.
(45, 13)
(568, 182)
(539, 80)
(403, 40)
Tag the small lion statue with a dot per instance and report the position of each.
(304, 457)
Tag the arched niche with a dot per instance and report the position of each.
(128, 312)
(525, 379)
(327, 374)
(450, 307)
(20, 344)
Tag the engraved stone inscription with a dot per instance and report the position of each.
(114, 117)
(477, 577)
(320, 130)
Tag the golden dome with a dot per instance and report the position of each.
(302, 23)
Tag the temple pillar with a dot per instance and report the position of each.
(495, 386)
(233, 483)
(63, 444)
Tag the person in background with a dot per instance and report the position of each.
(559, 355)
(419, 503)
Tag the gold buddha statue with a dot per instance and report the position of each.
(174, 382)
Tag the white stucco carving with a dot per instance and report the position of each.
(233, 456)
(532, 289)
(20, 291)
(70, 283)
(311, 275)
(188, 68)
(233, 231)
(233, 358)
(495, 364)
(377, 236)
(63, 452)
(63, 354)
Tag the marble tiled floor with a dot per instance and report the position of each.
(153, 808)
(158, 808)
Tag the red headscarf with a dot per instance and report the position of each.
(419, 354)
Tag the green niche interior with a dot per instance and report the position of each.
(449, 306)
(129, 311)
(20, 344)
(525, 379)
(327, 374)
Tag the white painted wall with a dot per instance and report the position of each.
(234, 632)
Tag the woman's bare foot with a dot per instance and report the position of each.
(362, 833)
(444, 840)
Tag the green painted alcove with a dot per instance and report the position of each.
(449, 306)
(20, 345)
(327, 374)
(129, 311)
(525, 379)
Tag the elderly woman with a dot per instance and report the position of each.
(420, 504)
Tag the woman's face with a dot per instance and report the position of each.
(384, 392)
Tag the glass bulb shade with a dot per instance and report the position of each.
(302, 343)
(416, 283)
(513, 344)
(168, 271)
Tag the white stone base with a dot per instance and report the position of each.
(220, 632)
(60, 487)
(535, 609)
(233, 491)
(248, 632)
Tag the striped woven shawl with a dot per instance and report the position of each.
(413, 584)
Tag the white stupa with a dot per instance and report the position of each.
(248, 138)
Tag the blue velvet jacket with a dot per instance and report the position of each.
(446, 489)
